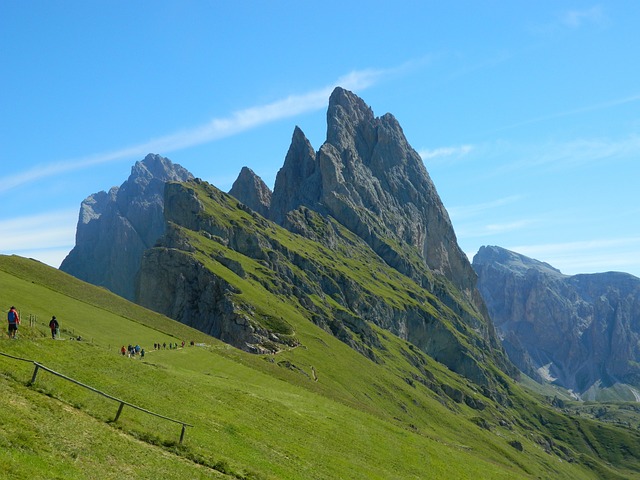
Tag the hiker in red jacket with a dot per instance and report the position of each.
(14, 321)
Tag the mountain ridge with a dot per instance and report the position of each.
(368, 180)
(115, 228)
(578, 331)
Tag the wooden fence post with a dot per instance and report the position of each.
(182, 433)
(119, 412)
(35, 373)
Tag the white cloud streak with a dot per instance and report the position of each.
(622, 254)
(568, 113)
(475, 230)
(25, 236)
(570, 154)
(445, 152)
(216, 129)
(578, 18)
(467, 211)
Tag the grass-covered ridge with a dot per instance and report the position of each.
(320, 410)
(328, 275)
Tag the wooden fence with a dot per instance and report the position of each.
(122, 403)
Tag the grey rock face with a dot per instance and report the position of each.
(298, 182)
(368, 177)
(181, 288)
(252, 191)
(579, 331)
(115, 228)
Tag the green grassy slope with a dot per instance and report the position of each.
(336, 282)
(317, 411)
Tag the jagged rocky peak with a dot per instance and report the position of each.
(346, 113)
(96, 205)
(157, 167)
(252, 191)
(298, 182)
(115, 228)
(368, 177)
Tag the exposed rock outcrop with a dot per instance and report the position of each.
(115, 228)
(183, 289)
(252, 191)
(367, 176)
(299, 181)
(581, 331)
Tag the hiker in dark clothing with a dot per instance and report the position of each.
(53, 325)
(14, 321)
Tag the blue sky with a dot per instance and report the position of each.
(526, 114)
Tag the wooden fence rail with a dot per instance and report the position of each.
(122, 403)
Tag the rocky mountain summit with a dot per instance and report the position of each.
(367, 181)
(253, 191)
(116, 227)
(581, 332)
(368, 177)
(354, 237)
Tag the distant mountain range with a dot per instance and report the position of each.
(581, 332)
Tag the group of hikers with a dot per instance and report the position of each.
(132, 350)
(158, 346)
(13, 319)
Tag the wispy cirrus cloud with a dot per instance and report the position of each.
(570, 154)
(571, 112)
(48, 236)
(583, 151)
(495, 228)
(479, 230)
(622, 254)
(215, 129)
(29, 232)
(466, 211)
(445, 153)
(578, 18)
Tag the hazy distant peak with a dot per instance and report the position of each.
(517, 263)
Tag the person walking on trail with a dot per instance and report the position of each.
(14, 321)
(53, 325)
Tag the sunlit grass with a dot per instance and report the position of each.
(316, 411)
